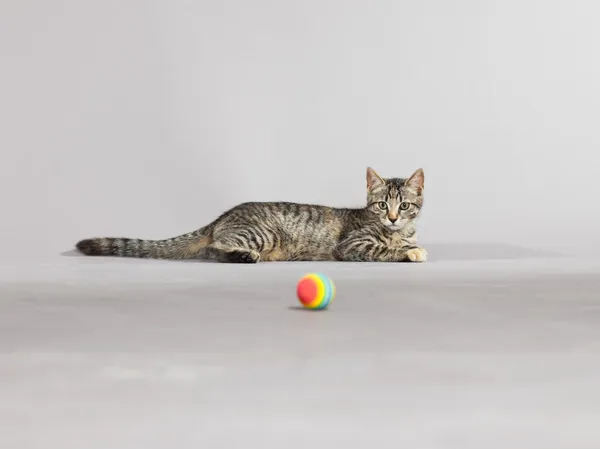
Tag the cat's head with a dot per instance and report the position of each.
(395, 201)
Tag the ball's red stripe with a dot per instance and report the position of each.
(307, 290)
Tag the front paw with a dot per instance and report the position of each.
(416, 255)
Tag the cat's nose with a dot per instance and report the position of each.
(393, 220)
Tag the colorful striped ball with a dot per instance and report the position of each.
(315, 291)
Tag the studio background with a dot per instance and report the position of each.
(148, 119)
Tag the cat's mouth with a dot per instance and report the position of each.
(395, 226)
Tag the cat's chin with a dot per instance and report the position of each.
(394, 227)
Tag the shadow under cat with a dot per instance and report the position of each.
(446, 252)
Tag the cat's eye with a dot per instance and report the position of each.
(404, 205)
(382, 205)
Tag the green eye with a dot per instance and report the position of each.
(404, 205)
(382, 205)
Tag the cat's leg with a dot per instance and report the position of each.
(242, 242)
(369, 249)
(231, 247)
(234, 244)
(226, 253)
(416, 254)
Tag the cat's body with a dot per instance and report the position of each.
(281, 231)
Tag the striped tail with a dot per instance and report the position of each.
(186, 246)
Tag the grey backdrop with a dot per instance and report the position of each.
(120, 117)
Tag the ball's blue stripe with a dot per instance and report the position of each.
(328, 291)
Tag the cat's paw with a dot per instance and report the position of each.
(240, 256)
(416, 255)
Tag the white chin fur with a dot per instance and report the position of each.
(394, 227)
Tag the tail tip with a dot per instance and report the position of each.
(87, 247)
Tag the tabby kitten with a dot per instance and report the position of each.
(383, 231)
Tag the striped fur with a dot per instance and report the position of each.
(382, 231)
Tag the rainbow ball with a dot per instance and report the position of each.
(315, 291)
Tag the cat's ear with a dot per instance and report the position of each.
(416, 181)
(373, 179)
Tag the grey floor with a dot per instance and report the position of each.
(480, 348)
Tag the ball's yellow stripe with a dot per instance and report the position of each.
(320, 291)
